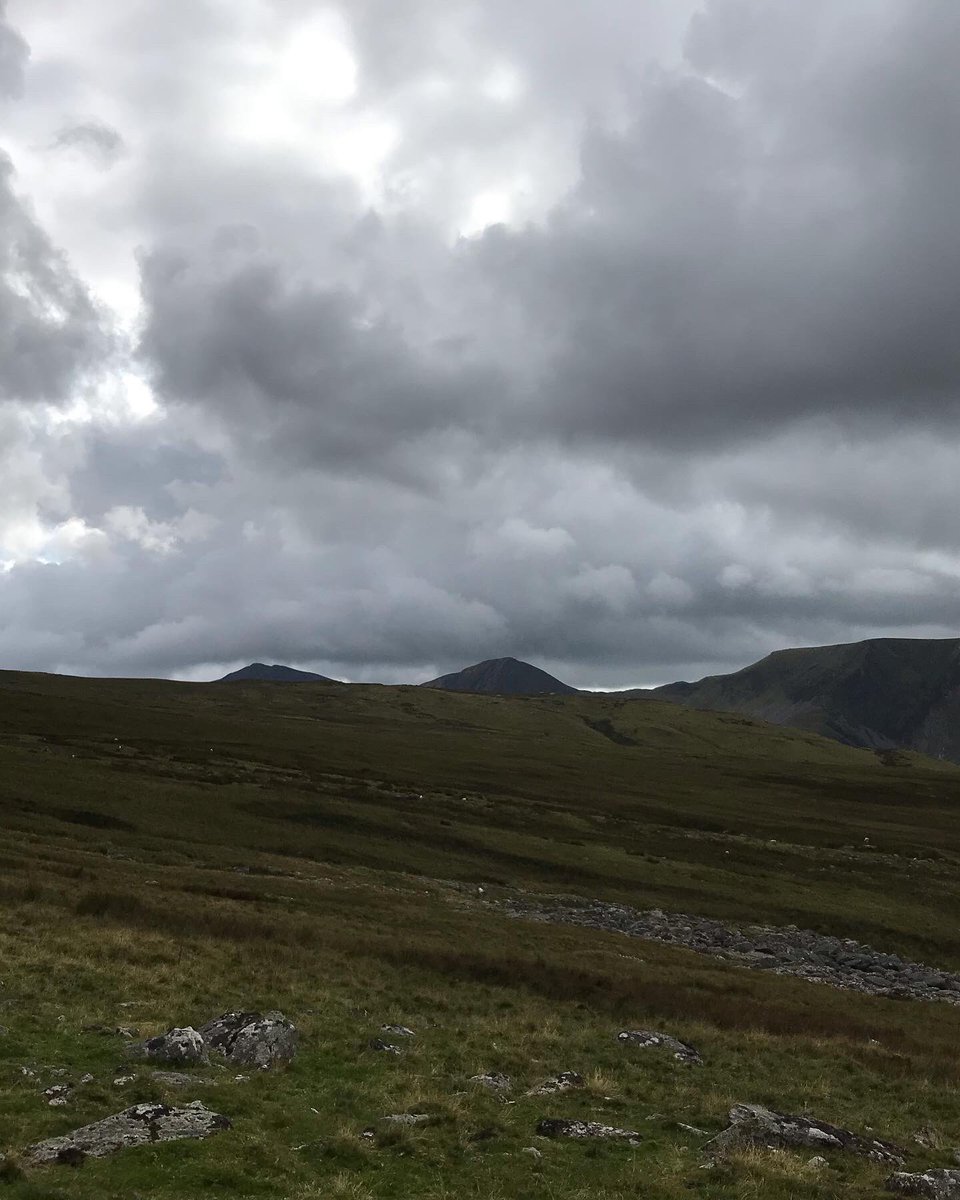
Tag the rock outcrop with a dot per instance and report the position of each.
(938, 1184)
(646, 1038)
(753, 1126)
(137, 1126)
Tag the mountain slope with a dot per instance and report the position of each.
(884, 693)
(261, 673)
(504, 677)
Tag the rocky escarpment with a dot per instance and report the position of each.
(785, 950)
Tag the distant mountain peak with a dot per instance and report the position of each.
(504, 677)
(262, 673)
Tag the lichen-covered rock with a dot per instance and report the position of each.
(751, 1125)
(493, 1081)
(408, 1119)
(252, 1039)
(397, 1031)
(566, 1081)
(558, 1127)
(176, 1046)
(647, 1038)
(136, 1126)
(939, 1184)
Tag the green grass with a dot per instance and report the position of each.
(361, 820)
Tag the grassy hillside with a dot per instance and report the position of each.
(172, 850)
(882, 693)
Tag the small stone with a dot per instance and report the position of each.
(177, 1079)
(397, 1031)
(566, 1081)
(58, 1095)
(817, 1163)
(533, 1152)
(86, 1078)
(384, 1047)
(407, 1119)
(123, 1080)
(493, 1081)
(552, 1127)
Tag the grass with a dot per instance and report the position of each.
(317, 849)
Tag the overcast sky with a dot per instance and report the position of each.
(622, 336)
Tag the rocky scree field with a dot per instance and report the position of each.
(313, 855)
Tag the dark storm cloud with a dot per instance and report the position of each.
(743, 255)
(319, 369)
(693, 410)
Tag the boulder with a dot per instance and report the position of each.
(176, 1046)
(647, 1038)
(252, 1039)
(136, 1126)
(939, 1184)
(751, 1125)
(558, 1127)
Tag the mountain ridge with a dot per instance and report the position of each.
(881, 693)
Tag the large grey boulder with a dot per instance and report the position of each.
(180, 1047)
(252, 1039)
(939, 1184)
(752, 1126)
(646, 1039)
(136, 1126)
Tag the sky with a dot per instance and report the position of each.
(620, 336)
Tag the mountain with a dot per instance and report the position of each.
(504, 677)
(886, 693)
(261, 673)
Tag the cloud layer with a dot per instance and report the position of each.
(692, 397)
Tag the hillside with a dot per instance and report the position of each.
(173, 851)
(261, 673)
(885, 693)
(503, 677)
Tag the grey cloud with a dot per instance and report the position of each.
(14, 53)
(101, 142)
(50, 331)
(694, 411)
